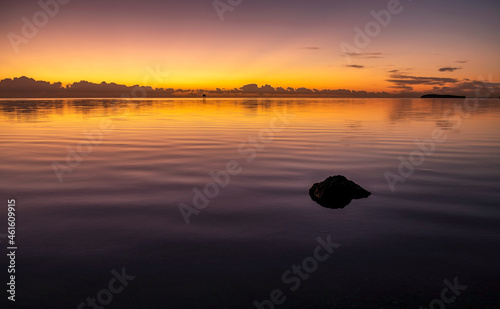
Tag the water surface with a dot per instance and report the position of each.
(117, 203)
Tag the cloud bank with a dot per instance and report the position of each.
(24, 87)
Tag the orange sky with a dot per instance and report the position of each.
(190, 47)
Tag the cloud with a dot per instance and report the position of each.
(442, 85)
(28, 84)
(402, 83)
(406, 82)
(448, 69)
(254, 88)
(461, 61)
(401, 79)
(28, 87)
(468, 87)
(303, 90)
(403, 87)
(311, 47)
(355, 66)
(281, 90)
(365, 55)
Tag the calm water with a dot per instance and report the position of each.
(117, 206)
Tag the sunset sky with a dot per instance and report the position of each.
(430, 43)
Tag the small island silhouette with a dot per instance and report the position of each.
(442, 96)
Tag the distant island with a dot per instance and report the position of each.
(442, 96)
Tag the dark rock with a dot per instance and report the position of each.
(336, 192)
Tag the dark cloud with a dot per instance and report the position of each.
(303, 90)
(448, 69)
(461, 61)
(443, 85)
(468, 87)
(27, 87)
(23, 87)
(403, 87)
(365, 55)
(25, 83)
(281, 90)
(254, 88)
(401, 80)
(355, 66)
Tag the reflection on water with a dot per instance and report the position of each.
(129, 164)
(32, 110)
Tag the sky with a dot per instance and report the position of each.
(417, 45)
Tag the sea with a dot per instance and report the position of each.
(204, 203)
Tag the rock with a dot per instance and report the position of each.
(336, 192)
